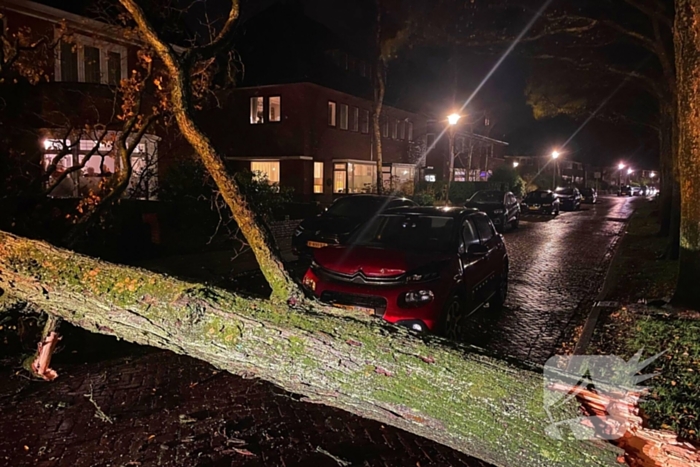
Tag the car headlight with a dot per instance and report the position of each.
(418, 297)
(498, 211)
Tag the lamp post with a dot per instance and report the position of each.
(619, 174)
(555, 157)
(629, 176)
(452, 120)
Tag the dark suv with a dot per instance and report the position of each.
(425, 268)
(339, 221)
(502, 207)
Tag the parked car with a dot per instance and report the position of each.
(541, 202)
(335, 225)
(625, 190)
(636, 191)
(502, 207)
(590, 195)
(570, 198)
(401, 267)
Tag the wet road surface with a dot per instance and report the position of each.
(557, 266)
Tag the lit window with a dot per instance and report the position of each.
(340, 177)
(430, 178)
(269, 171)
(402, 130)
(361, 177)
(460, 175)
(395, 130)
(410, 131)
(365, 121)
(257, 114)
(318, 177)
(275, 109)
(331, 113)
(355, 119)
(92, 64)
(343, 116)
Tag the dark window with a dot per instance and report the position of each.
(483, 225)
(385, 128)
(402, 130)
(114, 68)
(365, 121)
(343, 116)
(395, 130)
(469, 234)
(355, 119)
(410, 131)
(429, 140)
(69, 62)
(92, 64)
(331, 113)
(407, 233)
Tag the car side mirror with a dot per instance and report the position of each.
(477, 250)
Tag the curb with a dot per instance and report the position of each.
(592, 320)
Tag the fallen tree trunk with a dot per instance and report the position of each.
(477, 404)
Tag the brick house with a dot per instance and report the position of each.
(82, 73)
(315, 139)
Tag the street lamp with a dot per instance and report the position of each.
(516, 164)
(555, 157)
(452, 119)
(620, 166)
(629, 175)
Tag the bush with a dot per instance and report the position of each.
(509, 179)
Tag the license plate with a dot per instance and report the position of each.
(316, 244)
(533, 208)
(356, 309)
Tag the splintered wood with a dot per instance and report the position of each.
(620, 413)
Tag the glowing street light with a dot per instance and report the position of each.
(629, 171)
(555, 155)
(515, 164)
(453, 119)
(652, 175)
(621, 166)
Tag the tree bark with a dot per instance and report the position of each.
(452, 394)
(379, 92)
(687, 45)
(179, 69)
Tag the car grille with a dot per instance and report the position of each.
(368, 301)
(357, 278)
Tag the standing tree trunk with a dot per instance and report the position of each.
(687, 43)
(179, 67)
(452, 394)
(379, 81)
(666, 175)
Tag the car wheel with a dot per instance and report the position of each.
(452, 315)
(499, 298)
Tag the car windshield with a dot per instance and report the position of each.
(538, 195)
(407, 232)
(487, 197)
(565, 191)
(357, 206)
(587, 191)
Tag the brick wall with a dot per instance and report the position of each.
(283, 231)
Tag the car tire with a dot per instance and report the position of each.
(499, 298)
(452, 314)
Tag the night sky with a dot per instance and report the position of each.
(435, 80)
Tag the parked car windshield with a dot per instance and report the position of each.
(356, 206)
(587, 191)
(487, 197)
(538, 195)
(565, 191)
(407, 232)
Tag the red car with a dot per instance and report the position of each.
(425, 268)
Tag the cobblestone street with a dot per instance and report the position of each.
(557, 265)
(151, 408)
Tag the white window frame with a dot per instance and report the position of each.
(332, 114)
(80, 42)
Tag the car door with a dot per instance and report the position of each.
(511, 207)
(494, 258)
(474, 267)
